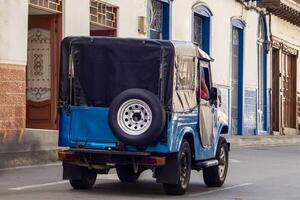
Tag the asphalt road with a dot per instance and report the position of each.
(266, 172)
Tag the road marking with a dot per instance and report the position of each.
(38, 185)
(221, 189)
(32, 166)
(234, 161)
(100, 177)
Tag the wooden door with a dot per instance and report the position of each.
(275, 91)
(288, 91)
(41, 73)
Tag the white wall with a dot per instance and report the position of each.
(13, 31)
(221, 36)
(129, 10)
(76, 18)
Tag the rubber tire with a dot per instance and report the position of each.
(179, 189)
(211, 175)
(158, 117)
(87, 180)
(126, 173)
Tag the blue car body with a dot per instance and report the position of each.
(88, 127)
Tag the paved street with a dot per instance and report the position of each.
(265, 172)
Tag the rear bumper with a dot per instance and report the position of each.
(103, 159)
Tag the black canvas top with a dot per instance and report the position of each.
(105, 67)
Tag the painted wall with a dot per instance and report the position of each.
(76, 18)
(129, 10)
(13, 34)
(221, 35)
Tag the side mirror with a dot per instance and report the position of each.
(214, 94)
(215, 97)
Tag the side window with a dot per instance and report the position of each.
(185, 79)
(184, 96)
(204, 82)
(206, 76)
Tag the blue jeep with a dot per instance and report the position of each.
(138, 104)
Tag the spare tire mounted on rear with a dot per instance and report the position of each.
(136, 117)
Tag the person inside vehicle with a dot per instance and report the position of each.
(202, 92)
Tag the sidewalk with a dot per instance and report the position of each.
(33, 147)
(40, 147)
(263, 140)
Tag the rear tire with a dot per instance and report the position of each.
(87, 180)
(215, 176)
(184, 162)
(126, 173)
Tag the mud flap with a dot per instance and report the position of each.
(71, 172)
(168, 174)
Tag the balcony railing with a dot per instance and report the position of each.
(288, 10)
(103, 15)
(48, 5)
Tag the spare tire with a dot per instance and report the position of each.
(136, 117)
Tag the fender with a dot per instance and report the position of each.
(181, 135)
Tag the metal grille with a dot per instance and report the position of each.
(235, 78)
(39, 65)
(156, 19)
(50, 5)
(198, 30)
(103, 14)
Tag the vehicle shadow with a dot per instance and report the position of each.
(140, 189)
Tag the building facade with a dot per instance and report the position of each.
(255, 49)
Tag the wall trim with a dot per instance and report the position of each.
(13, 62)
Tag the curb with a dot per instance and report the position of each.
(17, 159)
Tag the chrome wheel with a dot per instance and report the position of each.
(183, 165)
(215, 176)
(222, 163)
(184, 169)
(134, 117)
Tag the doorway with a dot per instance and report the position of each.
(44, 36)
(262, 42)
(275, 91)
(284, 92)
(288, 88)
(237, 80)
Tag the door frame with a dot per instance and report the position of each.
(56, 34)
(240, 25)
(262, 43)
(282, 48)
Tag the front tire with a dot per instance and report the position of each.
(184, 165)
(127, 174)
(215, 176)
(87, 180)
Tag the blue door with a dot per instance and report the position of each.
(237, 80)
(262, 76)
